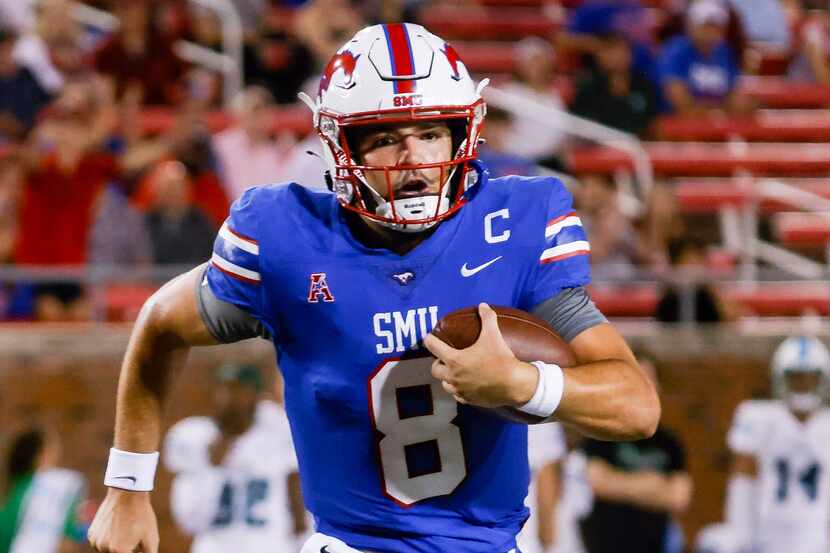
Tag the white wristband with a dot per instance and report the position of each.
(549, 390)
(131, 471)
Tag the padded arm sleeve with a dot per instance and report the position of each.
(225, 321)
(570, 312)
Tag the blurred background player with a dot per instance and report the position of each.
(39, 501)
(236, 486)
(777, 499)
(638, 487)
(546, 451)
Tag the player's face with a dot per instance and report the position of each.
(801, 382)
(235, 403)
(406, 144)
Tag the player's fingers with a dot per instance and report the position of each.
(440, 371)
(449, 388)
(489, 320)
(459, 399)
(439, 348)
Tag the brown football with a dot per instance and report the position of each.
(529, 337)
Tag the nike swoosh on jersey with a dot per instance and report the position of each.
(468, 272)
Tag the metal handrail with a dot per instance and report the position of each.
(580, 127)
(228, 63)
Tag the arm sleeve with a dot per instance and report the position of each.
(560, 256)
(234, 274)
(570, 312)
(225, 321)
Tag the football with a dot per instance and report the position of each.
(529, 337)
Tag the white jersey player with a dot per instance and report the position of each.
(236, 494)
(546, 449)
(779, 493)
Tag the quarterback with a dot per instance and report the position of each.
(394, 453)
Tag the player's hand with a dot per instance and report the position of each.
(487, 373)
(125, 523)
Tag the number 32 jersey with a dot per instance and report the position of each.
(793, 480)
(389, 462)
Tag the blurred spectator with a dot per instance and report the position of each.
(39, 505)
(179, 231)
(17, 14)
(54, 28)
(528, 137)
(304, 164)
(140, 54)
(688, 297)
(638, 488)
(250, 12)
(594, 19)
(236, 485)
(763, 21)
(613, 94)
(21, 96)
(811, 63)
(699, 70)
(494, 152)
(16, 300)
(11, 186)
(205, 27)
(247, 152)
(67, 169)
(277, 61)
(616, 247)
(324, 25)
(119, 235)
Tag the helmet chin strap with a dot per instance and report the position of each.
(413, 208)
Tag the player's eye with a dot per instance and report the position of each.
(382, 141)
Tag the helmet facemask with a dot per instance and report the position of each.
(412, 213)
(803, 389)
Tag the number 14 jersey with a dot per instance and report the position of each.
(389, 462)
(793, 460)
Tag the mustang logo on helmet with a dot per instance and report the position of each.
(344, 61)
(453, 58)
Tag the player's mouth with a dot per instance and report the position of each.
(412, 188)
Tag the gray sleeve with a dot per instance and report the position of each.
(225, 321)
(570, 312)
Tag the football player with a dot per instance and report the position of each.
(236, 485)
(40, 502)
(394, 456)
(778, 498)
(546, 450)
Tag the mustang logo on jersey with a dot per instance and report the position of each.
(319, 288)
(401, 331)
(404, 278)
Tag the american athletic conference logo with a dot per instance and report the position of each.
(319, 289)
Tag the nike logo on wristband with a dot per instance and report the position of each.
(133, 478)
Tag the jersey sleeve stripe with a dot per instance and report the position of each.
(242, 242)
(559, 223)
(580, 247)
(561, 218)
(231, 269)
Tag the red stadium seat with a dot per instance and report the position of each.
(477, 23)
(778, 92)
(768, 125)
(766, 299)
(124, 301)
(708, 195)
(804, 229)
(705, 159)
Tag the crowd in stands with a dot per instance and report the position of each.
(81, 181)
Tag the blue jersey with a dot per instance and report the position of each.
(389, 462)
